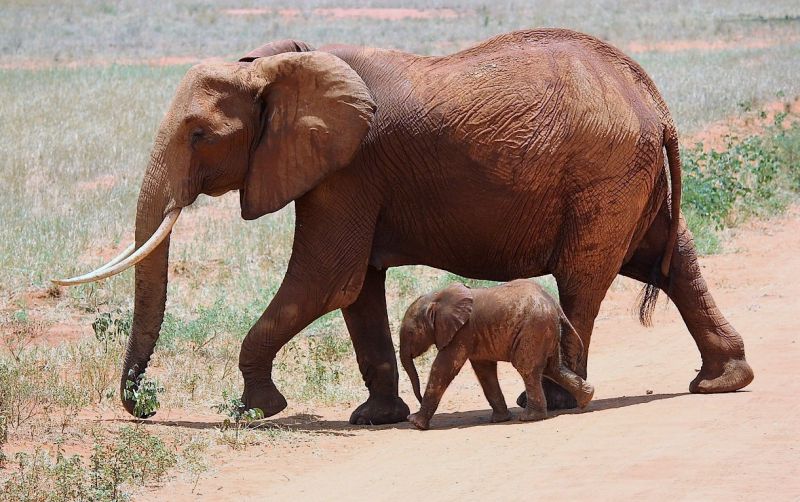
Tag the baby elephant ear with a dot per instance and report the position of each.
(453, 308)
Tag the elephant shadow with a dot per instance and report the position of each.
(315, 424)
(478, 418)
(459, 419)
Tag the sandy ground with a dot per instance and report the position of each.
(642, 437)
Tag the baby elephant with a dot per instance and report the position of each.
(517, 322)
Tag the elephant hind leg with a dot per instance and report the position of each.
(581, 290)
(368, 324)
(486, 371)
(724, 367)
(536, 403)
(580, 389)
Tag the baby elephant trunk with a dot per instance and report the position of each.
(408, 364)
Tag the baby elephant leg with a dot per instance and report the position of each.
(445, 367)
(536, 406)
(580, 389)
(486, 371)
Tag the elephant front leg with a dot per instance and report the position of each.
(445, 367)
(290, 311)
(368, 324)
(326, 272)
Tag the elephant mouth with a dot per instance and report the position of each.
(216, 192)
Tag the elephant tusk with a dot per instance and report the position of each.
(127, 252)
(122, 263)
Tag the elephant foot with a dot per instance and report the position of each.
(532, 415)
(380, 410)
(264, 396)
(419, 421)
(502, 416)
(722, 376)
(557, 398)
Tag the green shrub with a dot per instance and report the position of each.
(113, 328)
(135, 458)
(754, 176)
(237, 417)
(31, 387)
(144, 392)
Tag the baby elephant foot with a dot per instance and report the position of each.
(586, 394)
(419, 421)
(500, 416)
(533, 415)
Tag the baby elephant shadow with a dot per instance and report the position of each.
(478, 418)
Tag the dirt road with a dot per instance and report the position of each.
(629, 443)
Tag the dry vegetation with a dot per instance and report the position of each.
(77, 130)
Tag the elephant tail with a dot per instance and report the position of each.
(674, 161)
(571, 342)
(649, 294)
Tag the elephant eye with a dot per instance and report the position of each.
(196, 136)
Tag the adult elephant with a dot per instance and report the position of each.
(533, 152)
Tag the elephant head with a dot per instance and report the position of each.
(433, 318)
(272, 129)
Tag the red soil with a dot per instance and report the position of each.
(643, 437)
(743, 125)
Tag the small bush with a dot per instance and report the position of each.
(144, 392)
(112, 328)
(321, 365)
(755, 176)
(237, 417)
(31, 386)
(134, 458)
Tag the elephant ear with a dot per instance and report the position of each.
(277, 47)
(452, 308)
(318, 111)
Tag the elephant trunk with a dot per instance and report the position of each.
(407, 360)
(155, 202)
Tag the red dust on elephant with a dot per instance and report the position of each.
(535, 152)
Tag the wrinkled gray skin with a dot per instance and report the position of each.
(517, 322)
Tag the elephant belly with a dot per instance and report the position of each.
(474, 228)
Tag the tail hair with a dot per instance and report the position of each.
(648, 296)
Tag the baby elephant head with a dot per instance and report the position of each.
(432, 318)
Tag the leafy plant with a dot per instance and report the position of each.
(144, 392)
(112, 327)
(19, 331)
(135, 457)
(236, 416)
(750, 176)
(193, 459)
